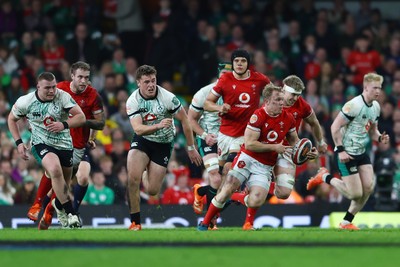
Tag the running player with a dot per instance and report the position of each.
(47, 110)
(351, 130)
(151, 109)
(206, 125)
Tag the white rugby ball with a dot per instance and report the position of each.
(300, 150)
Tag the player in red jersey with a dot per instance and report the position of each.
(241, 91)
(264, 136)
(91, 104)
(285, 169)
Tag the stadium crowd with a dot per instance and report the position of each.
(330, 49)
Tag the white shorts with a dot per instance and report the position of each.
(249, 170)
(77, 156)
(227, 144)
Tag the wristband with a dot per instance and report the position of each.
(66, 126)
(190, 148)
(18, 142)
(339, 149)
(203, 135)
(380, 139)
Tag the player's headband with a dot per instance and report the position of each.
(291, 90)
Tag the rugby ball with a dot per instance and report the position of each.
(300, 150)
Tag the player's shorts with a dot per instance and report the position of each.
(351, 167)
(251, 171)
(157, 152)
(226, 144)
(204, 149)
(39, 151)
(285, 160)
(79, 155)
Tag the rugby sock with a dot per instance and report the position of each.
(211, 192)
(239, 197)
(250, 215)
(46, 200)
(203, 190)
(43, 189)
(271, 190)
(327, 177)
(68, 207)
(135, 217)
(214, 208)
(79, 194)
(348, 217)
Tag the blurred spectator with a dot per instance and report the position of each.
(87, 12)
(109, 94)
(61, 18)
(292, 45)
(362, 60)
(180, 193)
(121, 195)
(162, 50)
(118, 61)
(99, 77)
(130, 27)
(131, 66)
(26, 46)
(386, 120)
(52, 52)
(7, 191)
(81, 47)
(37, 20)
(122, 119)
(15, 90)
(363, 14)
(8, 60)
(26, 192)
(8, 22)
(98, 193)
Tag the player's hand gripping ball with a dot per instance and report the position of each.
(300, 151)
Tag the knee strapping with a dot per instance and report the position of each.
(285, 180)
(211, 164)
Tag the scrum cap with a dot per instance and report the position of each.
(241, 53)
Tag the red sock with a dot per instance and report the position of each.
(43, 189)
(239, 197)
(211, 212)
(272, 188)
(250, 215)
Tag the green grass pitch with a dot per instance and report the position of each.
(187, 247)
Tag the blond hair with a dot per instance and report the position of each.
(372, 77)
(269, 89)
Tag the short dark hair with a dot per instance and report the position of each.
(79, 65)
(48, 76)
(145, 70)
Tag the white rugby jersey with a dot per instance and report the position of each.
(152, 111)
(361, 117)
(40, 114)
(209, 121)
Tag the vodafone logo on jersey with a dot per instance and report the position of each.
(244, 98)
(48, 120)
(272, 136)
